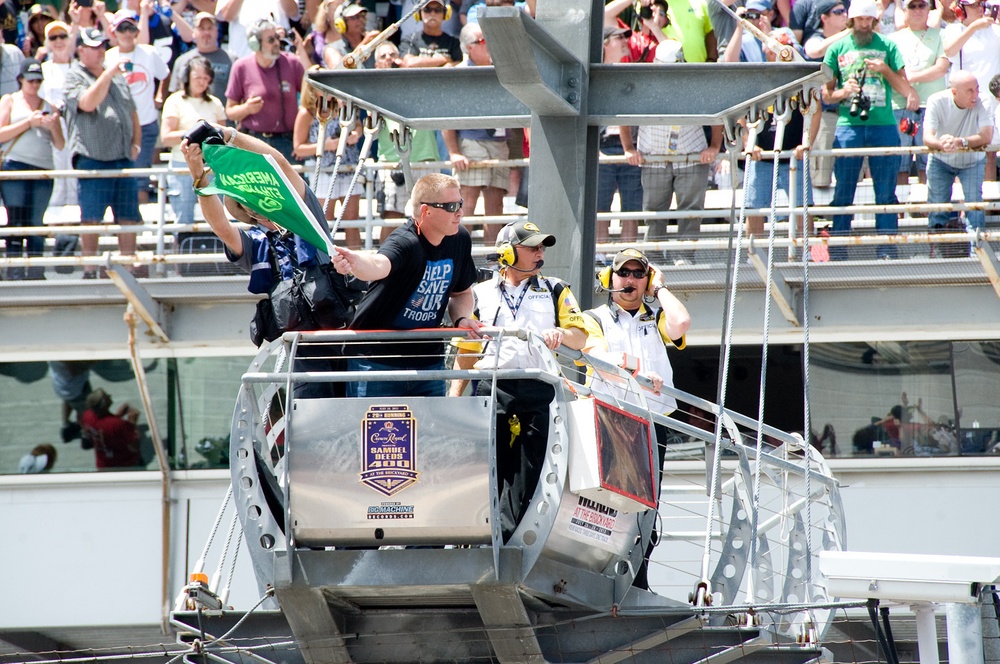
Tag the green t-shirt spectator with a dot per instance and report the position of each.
(920, 50)
(423, 144)
(689, 24)
(847, 59)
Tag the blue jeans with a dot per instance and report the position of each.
(622, 177)
(184, 200)
(883, 169)
(405, 388)
(25, 201)
(941, 177)
(905, 140)
(759, 179)
(150, 134)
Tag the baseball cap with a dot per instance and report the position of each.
(626, 255)
(42, 11)
(863, 8)
(349, 9)
(826, 6)
(524, 234)
(611, 31)
(55, 26)
(31, 70)
(124, 16)
(95, 398)
(759, 6)
(91, 37)
(204, 16)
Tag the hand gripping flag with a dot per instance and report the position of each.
(256, 181)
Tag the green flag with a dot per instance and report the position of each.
(256, 181)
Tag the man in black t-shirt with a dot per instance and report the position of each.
(433, 47)
(423, 269)
(759, 181)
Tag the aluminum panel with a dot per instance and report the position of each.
(422, 476)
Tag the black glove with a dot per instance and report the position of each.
(205, 132)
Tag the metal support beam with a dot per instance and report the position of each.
(318, 634)
(148, 309)
(692, 94)
(429, 98)
(738, 652)
(780, 293)
(531, 64)
(991, 266)
(562, 191)
(508, 624)
(628, 652)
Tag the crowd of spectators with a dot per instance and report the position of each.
(96, 85)
(888, 58)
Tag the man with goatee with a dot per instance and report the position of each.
(867, 63)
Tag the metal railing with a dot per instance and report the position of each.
(159, 237)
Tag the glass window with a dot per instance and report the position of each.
(42, 413)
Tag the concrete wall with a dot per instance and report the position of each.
(85, 549)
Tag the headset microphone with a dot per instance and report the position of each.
(538, 266)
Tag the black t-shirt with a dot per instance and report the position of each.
(793, 133)
(8, 20)
(416, 292)
(428, 45)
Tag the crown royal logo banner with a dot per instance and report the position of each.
(389, 449)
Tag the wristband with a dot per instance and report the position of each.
(965, 142)
(200, 182)
(138, 149)
(459, 320)
(656, 291)
(232, 137)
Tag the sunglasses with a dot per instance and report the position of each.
(127, 27)
(624, 273)
(481, 40)
(433, 10)
(451, 206)
(917, 5)
(841, 11)
(61, 35)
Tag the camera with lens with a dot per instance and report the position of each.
(992, 10)
(287, 45)
(205, 133)
(860, 102)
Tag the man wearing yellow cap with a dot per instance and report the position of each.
(628, 332)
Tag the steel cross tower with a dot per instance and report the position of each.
(547, 75)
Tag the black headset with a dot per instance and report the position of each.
(447, 11)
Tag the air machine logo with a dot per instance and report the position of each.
(389, 449)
